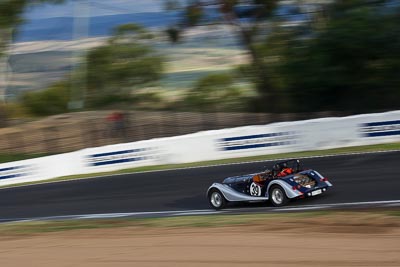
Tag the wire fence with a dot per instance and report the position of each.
(65, 133)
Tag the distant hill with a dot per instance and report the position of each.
(61, 28)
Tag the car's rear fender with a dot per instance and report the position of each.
(290, 193)
(322, 180)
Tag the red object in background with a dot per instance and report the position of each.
(115, 116)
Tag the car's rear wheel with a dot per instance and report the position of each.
(216, 199)
(278, 196)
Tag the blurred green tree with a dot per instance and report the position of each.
(247, 19)
(10, 17)
(125, 63)
(351, 64)
(51, 101)
(216, 92)
(109, 74)
(345, 57)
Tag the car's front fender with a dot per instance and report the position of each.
(232, 195)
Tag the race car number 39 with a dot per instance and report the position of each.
(255, 190)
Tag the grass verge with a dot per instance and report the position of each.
(376, 218)
(336, 151)
(15, 157)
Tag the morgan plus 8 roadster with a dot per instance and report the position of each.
(284, 181)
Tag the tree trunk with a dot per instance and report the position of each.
(267, 93)
(5, 39)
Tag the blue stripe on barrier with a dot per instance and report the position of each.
(11, 176)
(381, 123)
(115, 153)
(116, 161)
(376, 134)
(11, 168)
(252, 136)
(229, 148)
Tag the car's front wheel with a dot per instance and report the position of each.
(216, 199)
(278, 196)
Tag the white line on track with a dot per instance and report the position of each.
(198, 167)
(386, 203)
(335, 205)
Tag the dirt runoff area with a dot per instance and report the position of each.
(321, 241)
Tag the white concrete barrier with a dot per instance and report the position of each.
(212, 145)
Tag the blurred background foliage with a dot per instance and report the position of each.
(10, 17)
(50, 101)
(126, 63)
(351, 63)
(215, 92)
(345, 56)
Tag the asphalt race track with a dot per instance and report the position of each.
(356, 178)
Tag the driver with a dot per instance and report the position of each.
(285, 170)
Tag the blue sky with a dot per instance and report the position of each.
(97, 8)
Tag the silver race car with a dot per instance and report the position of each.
(284, 181)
